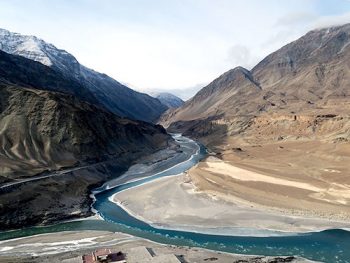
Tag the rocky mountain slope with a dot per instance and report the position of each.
(169, 100)
(42, 129)
(299, 91)
(97, 87)
(280, 132)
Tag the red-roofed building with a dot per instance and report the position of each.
(89, 258)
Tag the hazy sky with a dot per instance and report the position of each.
(169, 44)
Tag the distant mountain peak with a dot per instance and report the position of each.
(240, 69)
(26, 45)
(238, 73)
(233, 79)
(168, 99)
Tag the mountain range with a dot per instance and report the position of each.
(300, 91)
(93, 86)
(57, 140)
(278, 135)
(57, 116)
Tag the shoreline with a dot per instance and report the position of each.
(124, 178)
(319, 223)
(296, 196)
(67, 247)
(191, 227)
(218, 231)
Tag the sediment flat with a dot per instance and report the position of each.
(270, 178)
(191, 202)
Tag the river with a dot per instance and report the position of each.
(327, 246)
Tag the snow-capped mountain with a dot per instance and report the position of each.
(168, 99)
(108, 92)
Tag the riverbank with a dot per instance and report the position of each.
(177, 203)
(65, 195)
(305, 194)
(72, 245)
(326, 246)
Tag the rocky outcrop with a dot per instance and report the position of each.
(43, 130)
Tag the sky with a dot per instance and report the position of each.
(170, 45)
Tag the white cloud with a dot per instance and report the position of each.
(239, 55)
(184, 93)
(293, 19)
(169, 44)
(327, 21)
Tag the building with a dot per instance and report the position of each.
(147, 255)
(133, 255)
(104, 256)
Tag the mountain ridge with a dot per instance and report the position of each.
(39, 123)
(168, 99)
(77, 145)
(295, 127)
(110, 93)
(307, 77)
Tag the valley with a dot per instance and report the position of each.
(116, 219)
(177, 203)
(256, 163)
(278, 133)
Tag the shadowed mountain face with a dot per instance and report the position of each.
(28, 73)
(300, 91)
(169, 100)
(93, 86)
(41, 128)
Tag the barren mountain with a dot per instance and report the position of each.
(42, 129)
(281, 131)
(94, 87)
(301, 90)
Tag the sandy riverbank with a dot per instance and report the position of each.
(180, 203)
(305, 194)
(70, 246)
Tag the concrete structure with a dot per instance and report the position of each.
(138, 255)
(143, 255)
(104, 255)
(164, 258)
(72, 260)
(133, 255)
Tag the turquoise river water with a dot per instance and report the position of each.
(327, 246)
